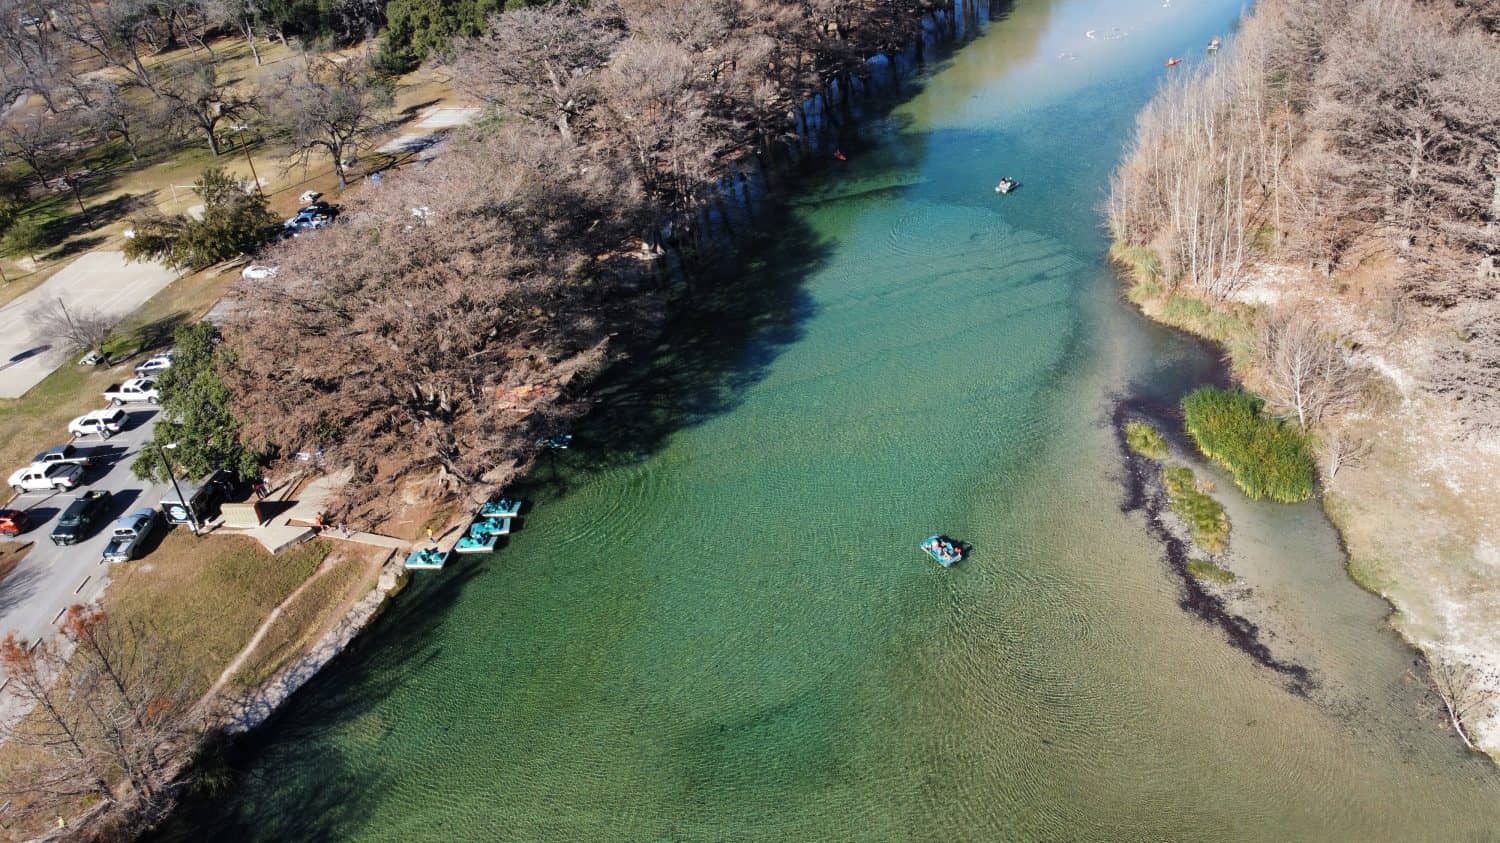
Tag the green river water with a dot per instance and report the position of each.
(715, 623)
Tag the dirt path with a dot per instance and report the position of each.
(239, 660)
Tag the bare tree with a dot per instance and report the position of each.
(41, 140)
(79, 329)
(109, 722)
(1309, 376)
(1342, 448)
(537, 62)
(329, 105)
(1466, 366)
(114, 115)
(114, 33)
(199, 98)
(1462, 690)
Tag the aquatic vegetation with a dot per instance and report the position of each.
(1268, 457)
(1203, 569)
(1205, 516)
(1146, 440)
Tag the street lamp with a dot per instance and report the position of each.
(186, 504)
(238, 132)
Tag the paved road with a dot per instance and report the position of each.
(51, 578)
(99, 282)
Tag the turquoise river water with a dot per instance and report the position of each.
(715, 623)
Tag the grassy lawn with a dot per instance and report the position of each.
(118, 187)
(312, 614)
(203, 598)
(40, 418)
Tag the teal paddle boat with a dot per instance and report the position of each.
(485, 527)
(426, 559)
(946, 551)
(502, 508)
(476, 544)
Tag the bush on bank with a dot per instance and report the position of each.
(1268, 458)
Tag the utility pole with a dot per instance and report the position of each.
(186, 504)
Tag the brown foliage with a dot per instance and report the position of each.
(394, 343)
(1333, 130)
(452, 319)
(107, 722)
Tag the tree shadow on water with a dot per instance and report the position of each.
(290, 780)
(732, 322)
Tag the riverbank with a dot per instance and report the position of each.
(1278, 201)
(1417, 505)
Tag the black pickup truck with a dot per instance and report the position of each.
(81, 517)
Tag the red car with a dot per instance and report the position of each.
(13, 522)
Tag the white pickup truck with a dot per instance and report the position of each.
(133, 391)
(47, 478)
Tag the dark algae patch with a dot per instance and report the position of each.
(1145, 495)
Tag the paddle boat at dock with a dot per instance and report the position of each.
(476, 544)
(502, 508)
(489, 527)
(944, 550)
(426, 559)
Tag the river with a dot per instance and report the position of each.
(715, 622)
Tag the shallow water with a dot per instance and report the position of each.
(715, 623)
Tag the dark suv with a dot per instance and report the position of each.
(81, 517)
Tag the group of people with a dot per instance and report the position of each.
(947, 550)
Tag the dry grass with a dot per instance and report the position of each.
(203, 598)
(11, 554)
(313, 613)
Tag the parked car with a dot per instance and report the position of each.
(104, 423)
(154, 365)
(129, 533)
(58, 454)
(258, 272)
(58, 477)
(132, 391)
(313, 217)
(80, 518)
(14, 522)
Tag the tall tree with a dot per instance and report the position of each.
(196, 413)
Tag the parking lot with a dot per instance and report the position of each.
(51, 578)
(102, 283)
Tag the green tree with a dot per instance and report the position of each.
(234, 222)
(195, 414)
(418, 28)
(24, 237)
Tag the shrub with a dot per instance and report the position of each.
(1205, 517)
(1203, 569)
(1268, 458)
(1146, 440)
